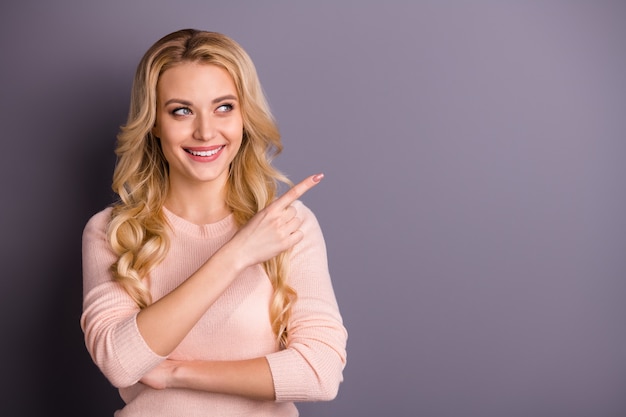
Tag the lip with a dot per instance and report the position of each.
(208, 158)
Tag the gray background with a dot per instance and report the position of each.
(473, 206)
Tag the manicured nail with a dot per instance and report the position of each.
(318, 177)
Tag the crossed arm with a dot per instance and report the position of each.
(270, 232)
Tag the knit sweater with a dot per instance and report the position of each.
(237, 326)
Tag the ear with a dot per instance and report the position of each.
(156, 131)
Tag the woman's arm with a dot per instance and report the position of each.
(270, 232)
(125, 347)
(309, 369)
(249, 378)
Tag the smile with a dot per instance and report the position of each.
(205, 153)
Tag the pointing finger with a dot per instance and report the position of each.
(298, 190)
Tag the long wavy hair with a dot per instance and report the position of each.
(138, 230)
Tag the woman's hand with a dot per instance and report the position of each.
(161, 376)
(166, 322)
(273, 229)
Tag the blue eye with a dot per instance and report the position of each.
(225, 108)
(181, 111)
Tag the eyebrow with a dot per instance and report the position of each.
(214, 101)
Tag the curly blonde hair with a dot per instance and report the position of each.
(138, 230)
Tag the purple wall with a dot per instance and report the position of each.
(474, 201)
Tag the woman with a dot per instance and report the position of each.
(204, 294)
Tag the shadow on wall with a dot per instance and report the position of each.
(68, 381)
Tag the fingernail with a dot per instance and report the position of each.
(318, 177)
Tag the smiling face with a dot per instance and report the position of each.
(199, 123)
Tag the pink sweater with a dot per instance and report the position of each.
(236, 327)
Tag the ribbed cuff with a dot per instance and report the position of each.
(289, 375)
(134, 355)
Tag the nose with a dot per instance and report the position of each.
(205, 128)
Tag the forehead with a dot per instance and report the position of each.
(194, 79)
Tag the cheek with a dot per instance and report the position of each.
(237, 139)
(171, 137)
(235, 131)
(167, 154)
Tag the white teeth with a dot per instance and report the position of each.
(205, 153)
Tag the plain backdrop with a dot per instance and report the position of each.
(473, 206)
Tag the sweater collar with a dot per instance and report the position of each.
(201, 231)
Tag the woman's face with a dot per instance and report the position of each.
(199, 123)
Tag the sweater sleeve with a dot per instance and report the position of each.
(311, 367)
(109, 313)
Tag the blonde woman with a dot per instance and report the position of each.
(206, 294)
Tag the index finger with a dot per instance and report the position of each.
(298, 190)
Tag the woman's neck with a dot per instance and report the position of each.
(202, 203)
